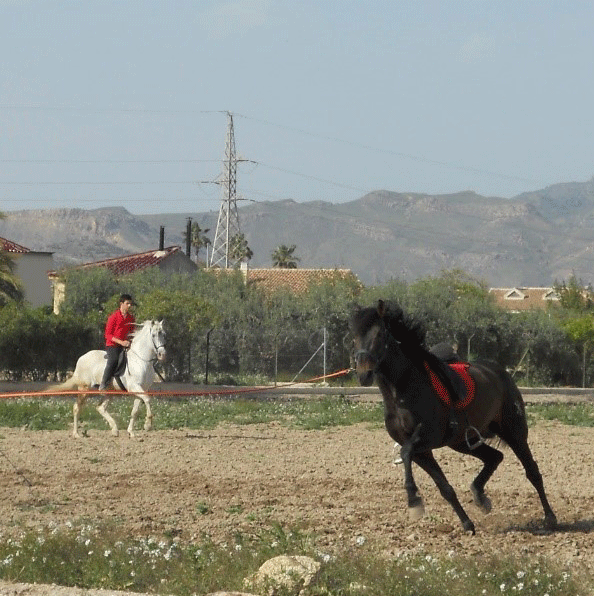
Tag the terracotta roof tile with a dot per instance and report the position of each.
(9, 246)
(296, 280)
(131, 263)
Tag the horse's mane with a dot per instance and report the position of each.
(405, 328)
(139, 328)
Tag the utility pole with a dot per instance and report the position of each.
(228, 222)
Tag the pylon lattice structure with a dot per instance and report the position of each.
(228, 222)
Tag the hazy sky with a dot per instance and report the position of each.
(125, 103)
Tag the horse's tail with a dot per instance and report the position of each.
(513, 404)
(70, 383)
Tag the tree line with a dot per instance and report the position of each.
(217, 325)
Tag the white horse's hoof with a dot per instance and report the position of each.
(115, 432)
(417, 512)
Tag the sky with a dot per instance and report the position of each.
(128, 103)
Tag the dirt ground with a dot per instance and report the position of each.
(339, 483)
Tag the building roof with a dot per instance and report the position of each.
(131, 263)
(9, 246)
(524, 298)
(297, 280)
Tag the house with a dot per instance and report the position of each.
(31, 267)
(521, 299)
(170, 259)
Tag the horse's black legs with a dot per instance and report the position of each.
(427, 462)
(415, 502)
(520, 447)
(491, 459)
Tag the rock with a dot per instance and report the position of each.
(289, 572)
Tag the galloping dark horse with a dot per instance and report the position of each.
(389, 347)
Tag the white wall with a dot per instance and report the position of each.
(31, 268)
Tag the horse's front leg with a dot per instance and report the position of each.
(148, 422)
(415, 502)
(102, 409)
(427, 462)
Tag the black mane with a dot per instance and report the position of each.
(404, 328)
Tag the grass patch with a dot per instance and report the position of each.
(570, 414)
(103, 557)
(193, 413)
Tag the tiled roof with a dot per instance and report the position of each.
(524, 298)
(132, 263)
(297, 280)
(9, 246)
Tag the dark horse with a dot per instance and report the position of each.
(389, 347)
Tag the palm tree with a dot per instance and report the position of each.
(283, 257)
(198, 238)
(239, 249)
(10, 286)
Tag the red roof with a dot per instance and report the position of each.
(132, 263)
(9, 246)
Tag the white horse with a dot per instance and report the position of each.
(147, 347)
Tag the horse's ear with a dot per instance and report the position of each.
(381, 308)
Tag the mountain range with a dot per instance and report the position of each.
(532, 239)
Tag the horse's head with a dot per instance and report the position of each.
(158, 337)
(370, 340)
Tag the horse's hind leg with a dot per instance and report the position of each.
(491, 459)
(427, 462)
(102, 409)
(519, 446)
(76, 410)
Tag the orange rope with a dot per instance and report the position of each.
(118, 393)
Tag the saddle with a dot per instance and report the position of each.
(121, 369)
(461, 380)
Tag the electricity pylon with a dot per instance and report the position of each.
(228, 222)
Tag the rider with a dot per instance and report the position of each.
(117, 331)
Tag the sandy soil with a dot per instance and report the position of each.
(340, 483)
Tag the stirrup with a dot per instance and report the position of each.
(479, 440)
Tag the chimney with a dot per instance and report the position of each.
(161, 238)
(189, 237)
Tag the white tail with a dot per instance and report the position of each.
(70, 383)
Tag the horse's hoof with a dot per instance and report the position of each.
(550, 522)
(481, 500)
(469, 527)
(115, 433)
(416, 512)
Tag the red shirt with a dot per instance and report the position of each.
(119, 326)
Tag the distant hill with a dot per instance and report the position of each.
(532, 239)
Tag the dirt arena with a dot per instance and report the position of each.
(339, 483)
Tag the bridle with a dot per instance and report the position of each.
(156, 347)
(376, 360)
